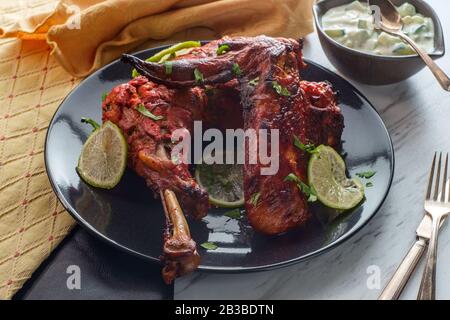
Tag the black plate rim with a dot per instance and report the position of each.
(216, 269)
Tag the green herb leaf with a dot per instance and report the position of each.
(309, 192)
(282, 91)
(369, 184)
(313, 194)
(292, 177)
(254, 82)
(254, 198)
(168, 66)
(135, 73)
(93, 123)
(237, 70)
(367, 174)
(104, 95)
(233, 214)
(144, 111)
(223, 49)
(198, 76)
(309, 147)
(209, 245)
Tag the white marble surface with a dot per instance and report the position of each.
(417, 114)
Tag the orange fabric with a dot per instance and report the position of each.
(32, 221)
(86, 34)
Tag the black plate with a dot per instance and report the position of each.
(129, 218)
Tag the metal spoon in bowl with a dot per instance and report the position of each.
(390, 22)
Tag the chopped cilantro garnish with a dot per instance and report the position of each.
(209, 245)
(367, 174)
(93, 123)
(254, 198)
(237, 70)
(198, 76)
(233, 214)
(309, 147)
(144, 111)
(254, 82)
(308, 191)
(282, 91)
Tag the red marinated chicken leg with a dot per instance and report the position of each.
(149, 145)
(149, 138)
(253, 83)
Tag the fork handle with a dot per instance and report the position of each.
(427, 290)
(401, 276)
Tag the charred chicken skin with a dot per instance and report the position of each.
(149, 148)
(150, 141)
(254, 84)
(309, 111)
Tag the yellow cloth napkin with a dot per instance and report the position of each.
(45, 46)
(86, 34)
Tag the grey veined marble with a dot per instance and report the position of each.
(417, 114)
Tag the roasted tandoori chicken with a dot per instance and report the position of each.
(254, 83)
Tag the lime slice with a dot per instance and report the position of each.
(326, 173)
(103, 158)
(223, 182)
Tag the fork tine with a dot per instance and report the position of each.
(430, 179)
(447, 190)
(444, 180)
(438, 178)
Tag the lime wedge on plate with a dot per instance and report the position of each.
(326, 173)
(104, 157)
(223, 182)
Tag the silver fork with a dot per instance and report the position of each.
(437, 207)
